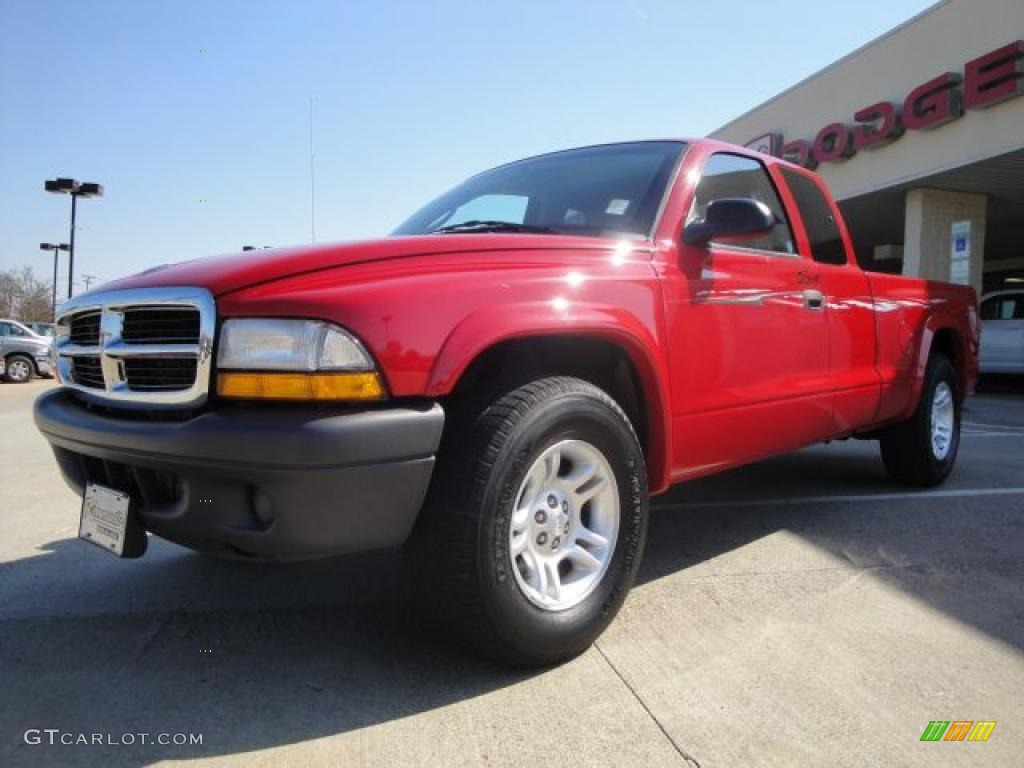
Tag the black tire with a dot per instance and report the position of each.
(19, 363)
(459, 550)
(907, 450)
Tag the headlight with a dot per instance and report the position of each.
(290, 345)
(290, 359)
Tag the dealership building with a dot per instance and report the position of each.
(920, 136)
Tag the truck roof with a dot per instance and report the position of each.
(712, 144)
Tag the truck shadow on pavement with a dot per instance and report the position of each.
(240, 653)
(256, 657)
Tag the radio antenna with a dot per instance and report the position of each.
(312, 178)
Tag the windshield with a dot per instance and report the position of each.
(598, 191)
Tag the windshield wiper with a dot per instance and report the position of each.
(477, 225)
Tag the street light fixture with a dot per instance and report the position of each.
(56, 252)
(76, 189)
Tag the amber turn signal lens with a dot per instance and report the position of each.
(300, 386)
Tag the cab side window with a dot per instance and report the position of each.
(819, 220)
(727, 175)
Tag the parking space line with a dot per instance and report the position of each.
(978, 424)
(905, 496)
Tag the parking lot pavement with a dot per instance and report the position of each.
(802, 611)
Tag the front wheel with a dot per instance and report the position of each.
(535, 523)
(19, 369)
(921, 451)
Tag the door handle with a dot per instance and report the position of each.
(814, 300)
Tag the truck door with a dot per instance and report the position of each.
(748, 337)
(850, 307)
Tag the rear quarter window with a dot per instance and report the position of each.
(819, 219)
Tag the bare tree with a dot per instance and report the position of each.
(24, 296)
(9, 292)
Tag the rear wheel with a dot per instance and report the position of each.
(19, 369)
(535, 523)
(921, 451)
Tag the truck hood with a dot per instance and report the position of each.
(234, 271)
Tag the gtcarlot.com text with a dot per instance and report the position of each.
(55, 736)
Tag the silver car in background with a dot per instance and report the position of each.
(25, 352)
(1002, 332)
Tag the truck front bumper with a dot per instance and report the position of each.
(271, 483)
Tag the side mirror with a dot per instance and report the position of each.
(730, 217)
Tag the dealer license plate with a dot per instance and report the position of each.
(105, 518)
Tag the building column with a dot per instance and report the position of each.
(943, 227)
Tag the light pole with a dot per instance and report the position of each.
(56, 252)
(76, 189)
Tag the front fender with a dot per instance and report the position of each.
(488, 326)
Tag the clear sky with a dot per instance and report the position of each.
(171, 104)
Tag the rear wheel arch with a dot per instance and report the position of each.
(947, 342)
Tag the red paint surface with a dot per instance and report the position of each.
(733, 366)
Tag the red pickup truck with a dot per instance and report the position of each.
(502, 383)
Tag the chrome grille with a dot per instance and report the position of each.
(156, 374)
(159, 325)
(86, 371)
(145, 348)
(85, 328)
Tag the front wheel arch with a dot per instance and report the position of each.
(619, 365)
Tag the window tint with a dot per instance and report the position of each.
(726, 175)
(819, 220)
(5, 329)
(1003, 308)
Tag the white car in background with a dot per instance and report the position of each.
(1002, 332)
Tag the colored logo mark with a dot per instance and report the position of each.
(958, 730)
